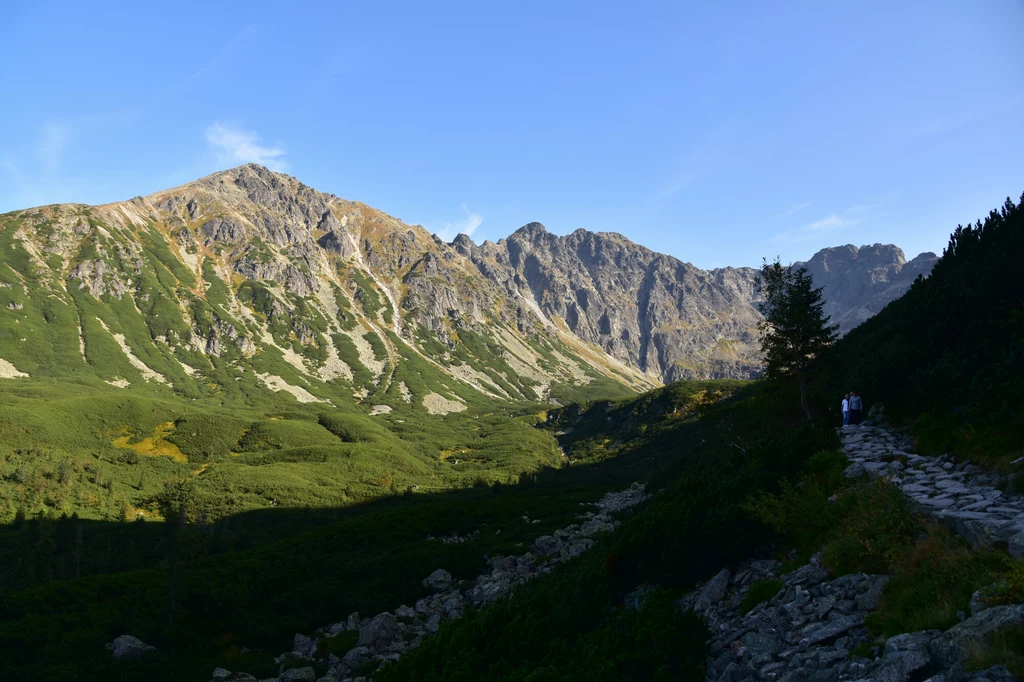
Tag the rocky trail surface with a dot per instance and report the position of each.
(387, 636)
(959, 493)
(810, 630)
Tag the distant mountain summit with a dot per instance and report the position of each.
(858, 283)
(248, 280)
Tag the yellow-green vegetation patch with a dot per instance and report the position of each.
(156, 445)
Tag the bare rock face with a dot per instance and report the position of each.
(667, 318)
(247, 262)
(858, 283)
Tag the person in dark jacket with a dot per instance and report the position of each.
(856, 407)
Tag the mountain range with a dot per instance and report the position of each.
(248, 280)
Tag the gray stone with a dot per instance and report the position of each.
(942, 501)
(830, 629)
(306, 674)
(996, 673)
(303, 646)
(380, 633)
(1016, 546)
(220, 674)
(438, 580)
(910, 641)
(853, 471)
(127, 647)
(900, 667)
(950, 647)
(713, 591)
(547, 544)
(355, 657)
(405, 613)
(760, 644)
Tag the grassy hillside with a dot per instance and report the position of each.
(366, 557)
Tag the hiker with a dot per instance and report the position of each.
(855, 408)
(846, 409)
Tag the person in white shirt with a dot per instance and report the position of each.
(846, 409)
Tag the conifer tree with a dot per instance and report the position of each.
(795, 330)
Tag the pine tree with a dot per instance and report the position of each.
(795, 330)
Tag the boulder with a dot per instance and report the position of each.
(438, 580)
(855, 470)
(405, 613)
(303, 646)
(127, 647)
(762, 644)
(380, 633)
(220, 674)
(951, 646)
(831, 629)
(901, 666)
(910, 641)
(355, 657)
(453, 607)
(305, 674)
(1016, 546)
(547, 544)
(713, 591)
(352, 622)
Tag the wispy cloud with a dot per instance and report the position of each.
(674, 186)
(793, 210)
(829, 223)
(234, 145)
(467, 225)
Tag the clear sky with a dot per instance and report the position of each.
(718, 132)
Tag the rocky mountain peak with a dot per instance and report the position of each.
(257, 264)
(529, 231)
(859, 282)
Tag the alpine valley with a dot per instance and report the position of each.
(246, 425)
(246, 323)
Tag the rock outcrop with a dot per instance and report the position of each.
(859, 282)
(813, 629)
(127, 647)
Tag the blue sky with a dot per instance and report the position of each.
(716, 132)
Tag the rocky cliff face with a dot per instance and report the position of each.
(667, 318)
(858, 283)
(249, 280)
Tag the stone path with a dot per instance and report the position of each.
(958, 493)
(812, 629)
